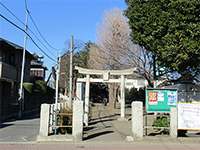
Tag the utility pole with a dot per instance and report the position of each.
(57, 85)
(71, 70)
(21, 99)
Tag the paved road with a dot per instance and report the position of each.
(23, 130)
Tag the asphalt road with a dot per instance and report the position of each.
(23, 130)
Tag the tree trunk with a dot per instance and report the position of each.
(112, 96)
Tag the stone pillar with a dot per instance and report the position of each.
(122, 96)
(87, 93)
(173, 122)
(77, 130)
(79, 91)
(87, 96)
(44, 120)
(137, 120)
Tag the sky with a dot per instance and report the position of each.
(56, 20)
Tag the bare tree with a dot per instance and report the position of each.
(78, 45)
(107, 54)
(115, 51)
(111, 32)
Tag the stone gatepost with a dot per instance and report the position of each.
(79, 91)
(173, 122)
(137, 120)
(77, 130)
(44, 120)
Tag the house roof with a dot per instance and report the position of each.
(11, 44)
(15, 46)
(38, 64)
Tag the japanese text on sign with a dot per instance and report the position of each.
(153, 98)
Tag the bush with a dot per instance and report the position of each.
(64, 120)
(28, 87)
(40, 85)
(162, 122)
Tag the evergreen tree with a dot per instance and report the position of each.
(170, 30)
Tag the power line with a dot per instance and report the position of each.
(27, 35)
(38, 29)
(41, 41)
(12, 14)
(28, 28)
(25, 4)
(40, 33)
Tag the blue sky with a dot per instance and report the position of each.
(57, 20)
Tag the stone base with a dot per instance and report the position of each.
(122, 119)
(129, 138)
(86, 119)
(61, 138)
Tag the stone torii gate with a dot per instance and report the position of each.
(105, 74)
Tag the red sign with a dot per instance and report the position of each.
(153, 98)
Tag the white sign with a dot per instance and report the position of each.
(171, 98)
(161, 96)
(189, 116)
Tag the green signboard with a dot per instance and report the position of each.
(160, 100)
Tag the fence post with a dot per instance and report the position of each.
(173, 122)
(137, 120)
(44, 120)
(77, 129)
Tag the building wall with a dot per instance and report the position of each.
(8, 72)
(133, 83)
(10, 76)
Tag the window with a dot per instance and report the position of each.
(3, 56)
(12, 60)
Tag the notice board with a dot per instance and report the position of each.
(189, 116)
(160, 100)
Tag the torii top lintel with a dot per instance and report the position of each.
(101, 72)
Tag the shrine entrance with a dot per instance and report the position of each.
(106, 78)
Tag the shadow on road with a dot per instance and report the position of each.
(11, 121)
(97, 135)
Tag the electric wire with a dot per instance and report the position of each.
(12, 13)
(28, 27)
(38, 29)
(28, 36)
(26, 5)
(41, 34)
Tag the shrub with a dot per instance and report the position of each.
(64, 120)
(162, 122)
(28, 87)
(40, 85)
